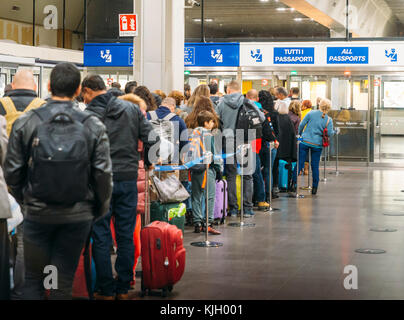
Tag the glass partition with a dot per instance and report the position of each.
(389, 117)
(350, 112)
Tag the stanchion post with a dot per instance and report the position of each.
(326, 150)
(309, 175)
(207, 243)
(271, 209)
(337, 173)
(244, 151)
(298, 196)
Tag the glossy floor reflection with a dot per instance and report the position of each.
(301, 251)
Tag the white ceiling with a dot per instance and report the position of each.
(250, 19)
(397, 6)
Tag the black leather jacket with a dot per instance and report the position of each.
(99, 193)
(126, 125)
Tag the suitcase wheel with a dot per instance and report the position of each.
(164, 292)
(170, 288)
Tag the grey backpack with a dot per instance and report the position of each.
(164, 128)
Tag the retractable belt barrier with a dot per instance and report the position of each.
(192, 163)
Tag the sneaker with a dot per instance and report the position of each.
(249, 213)
(263, 206)
(275, 190)
(275, 195)
(233, 213)
(198, 228)
(212, 231)
(122, 296)
(98, 296)
(314, 191)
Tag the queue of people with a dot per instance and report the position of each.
(72, 171)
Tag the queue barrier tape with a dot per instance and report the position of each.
(190, 164)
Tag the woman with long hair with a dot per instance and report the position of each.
(145, 94)
(200, 91)
(295, 113)
(312, 131)
(201, 104)
(272, 116)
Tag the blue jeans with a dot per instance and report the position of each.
(258, 180)
(188, 186)
(123, 207)
(264, 154)
(59, 245)
(315, 162)
(199, 196)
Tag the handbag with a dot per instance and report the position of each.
(170, 190)
(326, 138)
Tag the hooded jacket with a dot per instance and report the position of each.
(125, 125)
(96, 203)
(227, 111)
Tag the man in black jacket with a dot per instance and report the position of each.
(23, 92)
(22, 96)
(126, 125)
(55, 233)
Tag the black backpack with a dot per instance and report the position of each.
(59, 163)
(248, 118)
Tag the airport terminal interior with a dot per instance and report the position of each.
(344, 243)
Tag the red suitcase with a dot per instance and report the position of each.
(163, 257)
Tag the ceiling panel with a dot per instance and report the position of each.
(250, 19)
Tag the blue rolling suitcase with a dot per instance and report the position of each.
(283, 175)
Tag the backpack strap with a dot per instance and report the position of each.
(35, 104)
(328, 121)
(81, 116)
(8, 105)
(153, 115)
(168, 117)
(44, 114)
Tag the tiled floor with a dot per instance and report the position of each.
(301, 251)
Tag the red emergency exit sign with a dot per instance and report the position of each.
(128, 25)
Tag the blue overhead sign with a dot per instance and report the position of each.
(347, 55)
(212, 55)
(108, 54)
(303, 55)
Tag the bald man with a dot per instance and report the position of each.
(22, 97)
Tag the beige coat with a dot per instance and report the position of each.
(5, 212)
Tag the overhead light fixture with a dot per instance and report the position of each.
(298, 19)
(199, 20)
(264, 0)
(285, 9)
